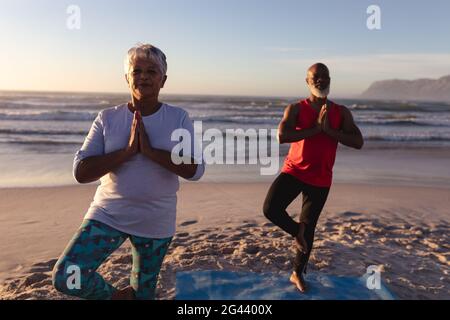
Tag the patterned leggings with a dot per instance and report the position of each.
(75, 271)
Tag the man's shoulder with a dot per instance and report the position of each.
(294, 106)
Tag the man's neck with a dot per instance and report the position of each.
(317, 101)
(146, 106)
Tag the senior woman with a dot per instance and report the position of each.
(129, 148)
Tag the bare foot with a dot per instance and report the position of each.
(124, 294)
(298, 281)
(300, 241)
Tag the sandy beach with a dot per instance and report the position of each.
(220, 227)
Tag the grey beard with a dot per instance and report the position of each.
(319, 93)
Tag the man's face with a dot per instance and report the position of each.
(319, 78)
(145, 79)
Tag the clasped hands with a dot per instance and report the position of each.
(323, 123)
(138, 141)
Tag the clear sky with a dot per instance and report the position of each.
(231, 47)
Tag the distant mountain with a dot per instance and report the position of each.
(420, 89)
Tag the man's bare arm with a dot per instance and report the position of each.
(287, 131)
(349, 135)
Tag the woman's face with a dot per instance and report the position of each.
(145, 79)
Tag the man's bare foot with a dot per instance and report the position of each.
(300, 241)
(124, 294)
(298, 281)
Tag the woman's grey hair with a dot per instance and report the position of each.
(146, 51)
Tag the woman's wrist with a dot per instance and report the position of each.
(148, 152)
(126, 153)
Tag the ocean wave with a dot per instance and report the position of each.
(370, 137)
(54, 104)
(48, 115)
(395, 107)
(42, 142)
(393, 138)
(406, 123)
(42, 132)
(237, 119)
(266, 107)
(263, 107)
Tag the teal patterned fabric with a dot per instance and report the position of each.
(89, 248)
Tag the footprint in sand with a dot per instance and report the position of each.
(34, 278)
(186, 256)
(239, 236)
(249, 225)
(251, 249)
(38, 269)
(187, 223)
(183, 234)
(23, 296)
(277, 234)
(351, 214)
(43, 266)
(41, 284)
(268, 224)
(221, 236)
(228, 250)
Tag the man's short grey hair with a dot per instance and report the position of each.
(146, 51)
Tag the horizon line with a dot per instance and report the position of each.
(169, 94)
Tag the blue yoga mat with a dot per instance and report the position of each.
(225, 285)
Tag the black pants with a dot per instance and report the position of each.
(283, 191)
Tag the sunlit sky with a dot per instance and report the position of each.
(229, 47)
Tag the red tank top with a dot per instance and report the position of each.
(311, 160)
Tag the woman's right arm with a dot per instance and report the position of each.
(93, 167)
